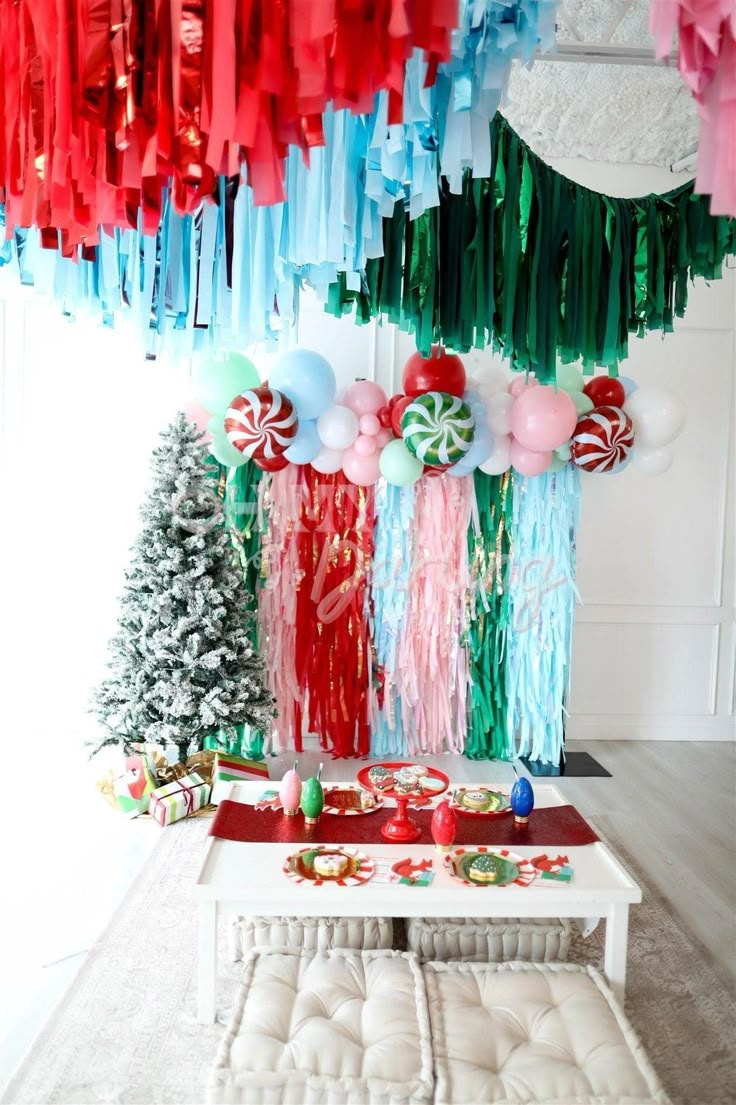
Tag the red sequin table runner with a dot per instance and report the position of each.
(560, 826)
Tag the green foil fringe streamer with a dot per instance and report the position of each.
(238, 490)
(539, 267)
(489, 545)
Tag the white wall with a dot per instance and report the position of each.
(655, 648)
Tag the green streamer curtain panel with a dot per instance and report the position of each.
(539, 267)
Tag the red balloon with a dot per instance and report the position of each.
(384, 417)
(439, 372)
(605, 391)
(435, 469)
(394, 399)
(272, 464)
(397, 413)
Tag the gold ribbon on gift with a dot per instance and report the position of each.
(203, 763)
(106, 787)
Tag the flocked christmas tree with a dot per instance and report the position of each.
(182, 667)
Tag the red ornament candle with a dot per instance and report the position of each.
(444, 827)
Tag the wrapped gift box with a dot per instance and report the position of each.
(234, 769)
(134, 787)
(178, 799)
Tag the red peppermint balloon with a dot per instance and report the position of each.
(262, 423)
(602, 439)
(275, 464)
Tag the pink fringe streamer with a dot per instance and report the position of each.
(280, 498)
(432, 659)
(707, 63)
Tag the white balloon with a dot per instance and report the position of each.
(658, 416)
(653, 462)
(327, 460)
(500, 459)
(491, 381)
(498, 409)
(338, 427)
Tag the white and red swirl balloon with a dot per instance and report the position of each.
(261, 423)
(602, 439)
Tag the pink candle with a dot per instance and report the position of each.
(290, 791)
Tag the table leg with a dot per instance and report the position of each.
(207, 970)
(617, 936)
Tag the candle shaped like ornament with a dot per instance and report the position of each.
(290, 791)
(313, 799)
(522, 800)
(444, 827)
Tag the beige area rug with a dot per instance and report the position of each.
(126, 1030)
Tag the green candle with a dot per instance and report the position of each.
(313, 800)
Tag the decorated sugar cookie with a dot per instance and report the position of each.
(331, 865)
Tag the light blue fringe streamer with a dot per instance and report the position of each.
(542, 596)
(388, 598)
(175, 284)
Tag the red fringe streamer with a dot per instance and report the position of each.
(333, 659)
(106, 103)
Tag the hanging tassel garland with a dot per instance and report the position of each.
(541, 610)
(489, 542)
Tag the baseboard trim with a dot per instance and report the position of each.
(622, 727)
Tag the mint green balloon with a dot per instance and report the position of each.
(224, 452)
(583, 403)
(570, 378)
(219, 379)
(564, 452)
(557, 464)
(398, 466)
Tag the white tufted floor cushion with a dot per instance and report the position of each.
(479, 940)
(552, 1034)
(310, 933)
(331, 1028)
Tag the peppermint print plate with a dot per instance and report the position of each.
(489, 867)
(346, 801)
(480, 800)
(299, 866)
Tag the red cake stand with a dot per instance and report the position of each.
(400, 829)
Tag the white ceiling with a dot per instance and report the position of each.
(618, 113)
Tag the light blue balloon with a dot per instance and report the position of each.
(478, 452)
(630, 387)
(307, 379)
(306, 444)
(459, 469)
(472, 396)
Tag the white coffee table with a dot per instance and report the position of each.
(245, 878)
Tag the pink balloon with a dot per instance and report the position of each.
(365, 446)
(383, 437)
(196, 413)
(543, 418)
(528, 462)
(369, 425)
(521, 384)
(364, 397)
(361, 470)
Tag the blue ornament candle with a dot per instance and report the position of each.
(522, 800)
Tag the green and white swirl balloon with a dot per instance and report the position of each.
(438, 428)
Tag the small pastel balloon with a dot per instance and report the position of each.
(657, 415)
(364, 397)
(471, 396)
(583, 403)
(306, 444)
(365, 445)
(521, 384)
(569, 378)
(215, 424)
(652, 462)
(492, 380)
(397, 465)
(498, 412)
(564, 451)
(219, 379)
(224, 452)
(605, 391)
(195, 412)
(500, 459)
(543, 418)
(363, 471)
(338, 427)
(327, 460)
(630, 385)
(460, 469)
(479, 451)
(383, 437)
(558, 463)
(369, 424)
(529, 462)
(305, 377)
